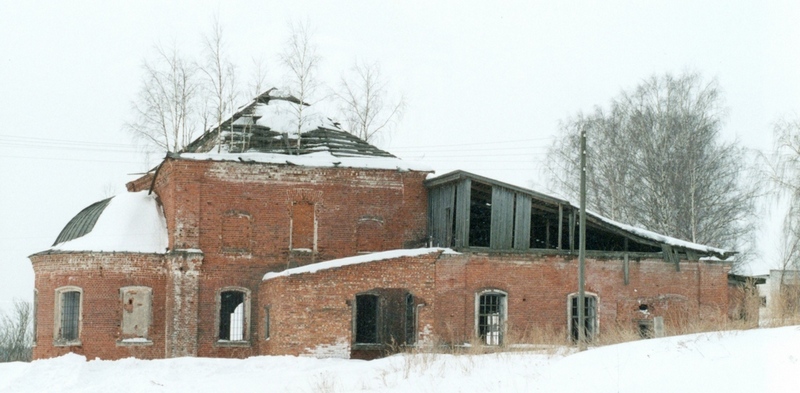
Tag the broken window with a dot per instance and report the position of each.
(136, 311)
(590, 316)
(366, 319)
(491, 317)
(303, 227)
(234, 312)
(68, 316)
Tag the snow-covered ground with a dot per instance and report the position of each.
(763, 360)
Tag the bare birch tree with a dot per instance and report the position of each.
(656, 160)
(16, 334)
(783, 170)
(301, 60)
(165, 110)
(220, 76)
(364, 102)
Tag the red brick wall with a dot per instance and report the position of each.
(100, 275)
(538, 287)
(312, 313)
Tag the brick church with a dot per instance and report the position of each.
(265, 238)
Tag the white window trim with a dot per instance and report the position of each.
(57, 340)
(503, 315)
(245, 341)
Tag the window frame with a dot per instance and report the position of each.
(246, 301)
(58, 339)
(502, 323)
(595, 317)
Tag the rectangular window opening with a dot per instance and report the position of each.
(366, 319)
(491, 317)
(70, 315)
(231, 316)
(590, 314)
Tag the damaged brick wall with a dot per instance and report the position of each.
(100, 277)
(312, 313)
(538, 286)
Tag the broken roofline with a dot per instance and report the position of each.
(629, 231)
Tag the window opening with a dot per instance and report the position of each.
(70, 315)
(231, 316)
(491, 318)
(589, 311)
(411, 322)
(366, 319)
(480, 215)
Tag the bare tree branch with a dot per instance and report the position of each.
(364, 102)
(655, 160)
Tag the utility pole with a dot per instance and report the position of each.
(582, 249)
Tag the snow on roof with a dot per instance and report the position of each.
(367, 258)
(132, 222)
(281, 115)
(318, 159)
(644, 233)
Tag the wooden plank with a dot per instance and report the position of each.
(560, 224)
(522, 222)
(572, 231)
(462, 203)
(442, 206)
(625, 268)
(502, 222)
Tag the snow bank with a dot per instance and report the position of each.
(765, 360)
(366, 258)
(131, 222)
(322, 159)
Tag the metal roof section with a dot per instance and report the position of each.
(83, 222)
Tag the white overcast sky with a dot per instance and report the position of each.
(486, 82)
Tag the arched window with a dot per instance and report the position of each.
(590, 313)
(233, 325)
(490, 316)
(68, 316)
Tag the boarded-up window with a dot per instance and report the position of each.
(236, 231)
(136, 311)
(303, 230)
(369, 235)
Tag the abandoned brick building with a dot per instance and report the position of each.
(258, 241)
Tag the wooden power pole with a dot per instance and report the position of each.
(582, 250)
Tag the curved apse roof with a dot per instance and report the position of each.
(83, 222)
(129, 222)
